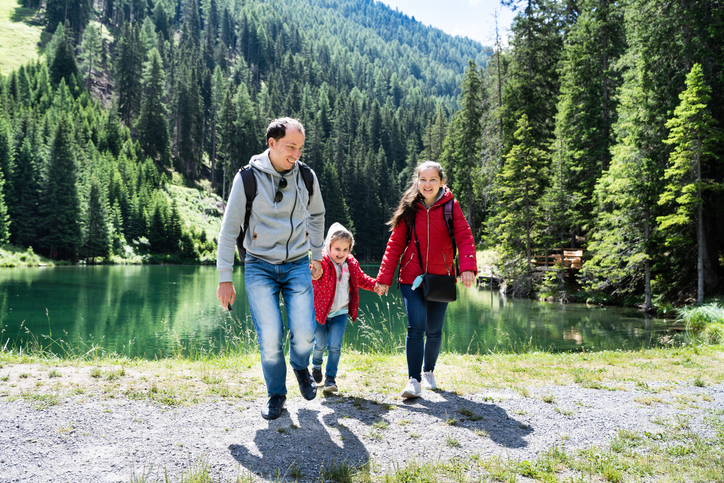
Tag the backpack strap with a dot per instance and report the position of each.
(447, 213)
(247, 176)
(308, 178)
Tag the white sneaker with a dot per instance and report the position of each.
(428, 380)
(412, 389)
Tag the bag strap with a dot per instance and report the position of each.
(247, 176)
(447, 213)
(308, 179)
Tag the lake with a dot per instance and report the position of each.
(157, 311)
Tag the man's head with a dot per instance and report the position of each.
(285, 137)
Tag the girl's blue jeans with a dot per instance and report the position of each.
(264, 282)
(424, 330)
(329, 336)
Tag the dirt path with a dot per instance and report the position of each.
(109, 439)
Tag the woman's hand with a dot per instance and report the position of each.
(381, 289)
(468, 278)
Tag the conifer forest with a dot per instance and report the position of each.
(597, 126)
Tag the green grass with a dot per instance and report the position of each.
(19, 37)
(12, 256)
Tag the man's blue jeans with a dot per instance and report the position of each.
(329, 336)
(424, 318)
(264, 282)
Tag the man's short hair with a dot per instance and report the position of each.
(278, 128)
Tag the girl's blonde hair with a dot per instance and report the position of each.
(408, 204)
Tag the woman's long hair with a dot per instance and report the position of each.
(408, 204)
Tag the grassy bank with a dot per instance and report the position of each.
(12, 256)
(675, 453)
(19, 36)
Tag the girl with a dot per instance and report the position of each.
(336, 295)
(422, 207)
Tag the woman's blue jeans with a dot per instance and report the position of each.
(264, 282)
(424, 330)
(329, 336)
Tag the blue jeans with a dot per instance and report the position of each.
(329, 336)
(424, 319)
(264, 282)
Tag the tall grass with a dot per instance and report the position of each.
(704, 322)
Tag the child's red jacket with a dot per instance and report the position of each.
(326, 286)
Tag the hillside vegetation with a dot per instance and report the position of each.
(131, 104)
(19, 36)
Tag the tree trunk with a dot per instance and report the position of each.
(699, 234)
(647, 266)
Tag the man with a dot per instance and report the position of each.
(284, 224)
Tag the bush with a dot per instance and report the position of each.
(697, 319)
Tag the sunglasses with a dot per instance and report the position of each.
(279, 195)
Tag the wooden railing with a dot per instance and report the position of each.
(570, 259)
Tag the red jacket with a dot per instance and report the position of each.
(326, 286)
(435, 245)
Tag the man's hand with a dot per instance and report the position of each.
(316, 269)
(468, 278)
(381, 289)
(226, 294)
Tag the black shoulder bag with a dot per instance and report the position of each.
(438, 288)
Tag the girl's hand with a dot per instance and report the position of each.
(381, 288)
(468, 278)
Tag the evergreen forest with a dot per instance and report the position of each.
(597, 126)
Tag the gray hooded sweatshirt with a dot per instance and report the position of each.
(278, 232)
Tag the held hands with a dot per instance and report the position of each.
(468, 278)
(381, 289)
(315, 267)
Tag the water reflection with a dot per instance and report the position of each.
(152, 311)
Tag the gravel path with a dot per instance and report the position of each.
(95, 439)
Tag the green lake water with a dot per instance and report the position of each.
(156, 311)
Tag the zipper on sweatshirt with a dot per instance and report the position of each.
(291, 224)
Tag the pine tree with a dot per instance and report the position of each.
(129, 74)
(91, 49)
(97, 237)
(694, 135)
(152, 126)
(586, 112)
(64, 65)
(27, 192)
(76, 13)
(519, 185)
(60, 226)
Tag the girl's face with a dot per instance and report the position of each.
(429, 184)
(338, 251)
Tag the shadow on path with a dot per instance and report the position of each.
(494, 420)
(284, 451)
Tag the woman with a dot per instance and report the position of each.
(422, 207)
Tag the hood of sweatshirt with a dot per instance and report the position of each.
(335, 228)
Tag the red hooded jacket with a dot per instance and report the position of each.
(435, 245)
(326, 286)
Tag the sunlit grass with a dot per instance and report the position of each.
(18, 37)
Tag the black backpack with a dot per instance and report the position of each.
(247, 176)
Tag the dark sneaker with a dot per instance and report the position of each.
(307, 386)
(273, 408)
(330, 385)
(317, 374)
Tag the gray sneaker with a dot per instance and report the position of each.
(330, 385)
(317, 375)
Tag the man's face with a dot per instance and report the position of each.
(284, 152)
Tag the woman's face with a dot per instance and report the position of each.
(429, 184)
